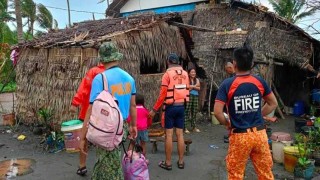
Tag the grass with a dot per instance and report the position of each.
(10, 87)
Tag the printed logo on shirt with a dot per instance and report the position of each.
(121, 89)
(104, 112)
(246, 103)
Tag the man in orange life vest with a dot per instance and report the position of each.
(174, 94)
(81, 99)
(242, 94)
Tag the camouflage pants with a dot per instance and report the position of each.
(108, 163)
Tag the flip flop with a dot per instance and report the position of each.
(180, 166)
(82, 171)
(163, 165)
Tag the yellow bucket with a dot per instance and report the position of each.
(290, 157)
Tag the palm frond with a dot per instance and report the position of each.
(44, 17)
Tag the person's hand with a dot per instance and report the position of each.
(82, 146)
(133, 132)
(73, 109)
(151, 114)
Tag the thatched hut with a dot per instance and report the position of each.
(284, 54)
(50, 68)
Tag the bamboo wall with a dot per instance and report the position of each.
(48, 78)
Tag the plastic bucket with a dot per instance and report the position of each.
(315, 95)
(214, 120)
(72, 134)
(298, 108)
(290, 157)
(277, 150)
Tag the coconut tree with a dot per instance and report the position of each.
(18, 20)
(292, 10)
(29, 11)
(44, 17)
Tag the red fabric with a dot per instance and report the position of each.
(81, 98)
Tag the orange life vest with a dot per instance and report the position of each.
(178, 88)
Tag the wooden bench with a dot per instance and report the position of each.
(154, 141)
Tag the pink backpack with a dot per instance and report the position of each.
(134, 165)
(106, 123)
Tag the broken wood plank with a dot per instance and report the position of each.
(279, 98)
(280, 112)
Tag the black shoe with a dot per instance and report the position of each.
(226, 139)
(82, 171)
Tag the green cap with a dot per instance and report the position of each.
(108, 52)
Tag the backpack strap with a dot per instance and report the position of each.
(105, 82)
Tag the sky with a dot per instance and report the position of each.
(99, 9)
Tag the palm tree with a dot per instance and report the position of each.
(29, 11)
(44, 17)
(19, 20)
(291, 9)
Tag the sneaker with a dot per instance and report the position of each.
(186, 131)
(196, 130)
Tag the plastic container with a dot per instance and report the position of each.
(279, 141)
(315, 94)
(214, 120)
(290, 158)
(298, 108)
(72, 134)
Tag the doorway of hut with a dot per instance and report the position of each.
(293, 85)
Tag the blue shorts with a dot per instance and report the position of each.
(174, 117)
(142, 136)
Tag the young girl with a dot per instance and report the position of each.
(143, 122)
(192, 106)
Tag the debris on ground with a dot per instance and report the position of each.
(21, 137)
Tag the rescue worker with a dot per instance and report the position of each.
(174, 94)
(242, 94)
(81, 99)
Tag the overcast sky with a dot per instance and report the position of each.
(99, 9)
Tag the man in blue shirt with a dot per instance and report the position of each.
(242, 95)
(122, 87)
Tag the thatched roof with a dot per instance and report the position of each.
(91, 33)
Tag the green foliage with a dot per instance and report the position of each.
(10, 87)
(46, 118)
(292, 10)
(304, 144)
(44, 17)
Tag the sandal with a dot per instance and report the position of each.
(82, 171)
(180, 166)
(163, 165)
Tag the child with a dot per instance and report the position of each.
(143, 122)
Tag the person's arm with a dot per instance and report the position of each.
(219, 104)
(162, 95)
(133, 116)
(271, 104)
(197, 85)
(85, 130)
(270, 99)
(218, 113)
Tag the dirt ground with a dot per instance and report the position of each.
(203, 163)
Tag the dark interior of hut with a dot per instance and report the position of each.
(292, 84)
